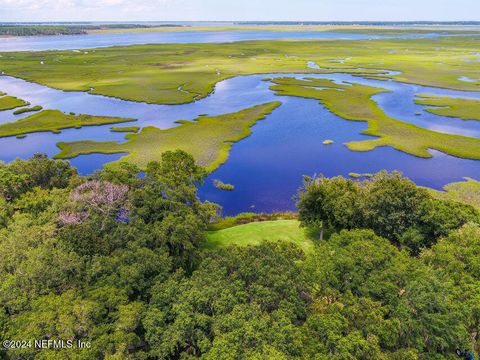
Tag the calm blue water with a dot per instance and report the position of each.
(69, 42)
(267, 167)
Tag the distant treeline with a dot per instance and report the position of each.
(367, 23)
(22, 30)
(31, 30)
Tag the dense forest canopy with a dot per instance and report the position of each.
(117, 259)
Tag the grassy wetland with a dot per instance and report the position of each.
(219, 184)
(208, 139)
(181, 73)
(54, 121)
(166, 82)
(132, 129)
(355, 29)
(354, 102)
(11, 102)
(466, 109)
(27, 109)
(467, 192)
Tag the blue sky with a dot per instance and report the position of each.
(210, 10)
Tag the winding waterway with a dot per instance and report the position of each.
(267, 167)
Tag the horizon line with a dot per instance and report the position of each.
(297, 22)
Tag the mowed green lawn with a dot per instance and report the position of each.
(257, 232)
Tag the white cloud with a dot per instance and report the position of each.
(165, 10)
(29, 5)
(97, 10)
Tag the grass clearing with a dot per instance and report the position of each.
(11, 102)
(208, 138)
(54, 121)
(353, 102)
(466, 109)
(181, 73)
(249, 217)
(256, 233)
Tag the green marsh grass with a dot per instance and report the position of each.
(354, 102)
(54, 121)
(466, 109)
(131, 129)
(27, 109)
(223, 186)
(11, 102)
(181, 73)
(467, 191)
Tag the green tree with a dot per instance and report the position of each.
(445, 216)
(167, 205)
(6, 212)
(12, 184)
(44, 172)
(236, 294)
(366, 288)
(393, 204)
(329, 203)
(458, 258)
(123, 173)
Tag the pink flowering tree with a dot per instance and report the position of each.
(95, 196)
(72, 218)
(100, 195)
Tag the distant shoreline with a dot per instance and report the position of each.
(386, 28)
